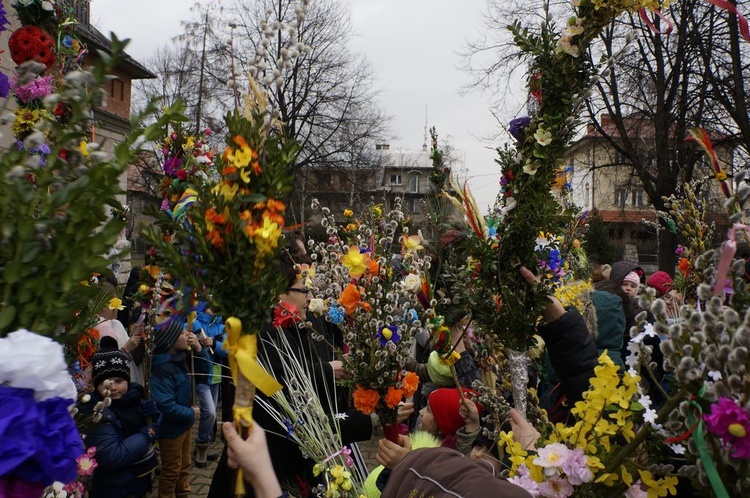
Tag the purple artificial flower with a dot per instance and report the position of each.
(517, 126)
(3, 18)
(172, 165)
(732, 424)
(39, 442)
(388, 334)
(165, 204)
(524, 480)
(4, 85)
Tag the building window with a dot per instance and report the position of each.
(414, 205)
(414, 184)
(117, 90)
(638, 196)
(396, 179)
(621, 197)
(586, 196)
(619, 158)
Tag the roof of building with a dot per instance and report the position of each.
(96, 40)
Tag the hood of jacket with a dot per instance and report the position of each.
(621, 269)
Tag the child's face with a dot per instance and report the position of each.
(630, 288)
(117, 388)
(181, 344)
(426, 420)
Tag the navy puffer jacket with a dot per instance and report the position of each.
(119, 444)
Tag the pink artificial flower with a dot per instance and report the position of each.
(524, 480)
(86, 464)
(91, 451)
(576, 467)
(74, 488)
(552, 457)
(556, 487)
(37, 88)
(636, 491)
(732, 424)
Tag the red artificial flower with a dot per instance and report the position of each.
(182, 174)
(31, 43)
(285, 315)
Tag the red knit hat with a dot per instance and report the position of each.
(661, 281)
(444, 403)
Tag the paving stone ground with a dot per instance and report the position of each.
(200, 479)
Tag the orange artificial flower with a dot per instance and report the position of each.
(684, 266)
(213, 217)
(393, 397)
(365, 400)
(350, 298)
(372, 266)
(410, 383)
(214, 237)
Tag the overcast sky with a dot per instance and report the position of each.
(413, 48)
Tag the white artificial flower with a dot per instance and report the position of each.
(412, 283)
(32, 361)
(574, 27)
(649, 416)
(47, 6)
(678, 448)
(715, 375)
(564, 45)
(316, 306)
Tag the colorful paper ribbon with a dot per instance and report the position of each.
(646, 19)
(729, 7)
(243, 360)
(700, 443)
(727, 256)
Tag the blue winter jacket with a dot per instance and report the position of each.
(170, 387)
(119, 444)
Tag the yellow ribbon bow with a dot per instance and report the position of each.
(243, 360)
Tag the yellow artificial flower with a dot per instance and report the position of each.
(226, 190)
(450, 360)
(267, 237)
(658, 487)
(355, 261)
(348, 212)
(608, 479)
(115, 304)
(189, 142)
(411, 242)
(84, 148)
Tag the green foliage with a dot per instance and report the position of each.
(598, 240)
(217, 250)
(56, 229)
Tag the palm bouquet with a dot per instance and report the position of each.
(367, 282)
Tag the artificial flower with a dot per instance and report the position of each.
(517, 127)
(393, 397)
(388, 334)
(356, 261)
(350, 298)
(530, 168)
(552, 457)
(410, 384)
(336, 314)
(365, 400)
(285, 315)
(348, 213)
(412, 283)
(732, 424)
(316, 306)
(115, 304)
(543, 137)
(87, 463)
(411, 243)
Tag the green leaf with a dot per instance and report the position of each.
(7, 315)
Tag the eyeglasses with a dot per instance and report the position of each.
(301, 291)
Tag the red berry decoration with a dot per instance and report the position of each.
(31, 43)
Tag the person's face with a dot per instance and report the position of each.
(630, 288)
(426, 420)
(117, 388)
(297, 295)
(181, 344)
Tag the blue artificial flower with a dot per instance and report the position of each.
(388, 334)
(517, 126)
(411, 316)
(4, 85)
(68, 41)
(336, 314)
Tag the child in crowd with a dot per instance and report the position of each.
(123, 438)
(171, 388)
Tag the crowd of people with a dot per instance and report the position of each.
(444, 443)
